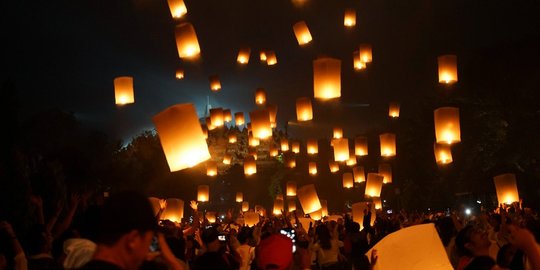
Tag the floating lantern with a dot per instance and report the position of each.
(338, 133)
(366, 53)
(349, 19)
(334, 166)
(304, 222)
(358, 64)
(290, 162)
(273, 151)
(179, 74)
(341, 149)
(181, 136)
(156, 206)
(304, 111)
(358, 213)
(262, 56)
(324, 208)
(284, 145)
(239, 196)
(203, 193)
(374, 185)
(216, 117)
(123, 90)
(260, 96)
(377, 203)
(186, 42)
(312, 146)
(245, 206)
(279, 196)
(291, 188)
(232, 138)
(243, 56)
(386, 171)
(251, 219)
(359, 174)
(317, 215)
(443, 153)
(227, 158)
(211, 217)
(211, 168)
(272, 111)
(208, 121)
(307, 195)
(239, 118)
(393, 110)
(506, 187)
(252, 141)
(312, 168)
(271, 58)
(351, 161)
(348, 181)
(174, 210)
(227, 115)
(178, 8)
(260, 124)
(215, 84)
(447, 128)
(295, 147)
(360, 146)
(327, 78)
(447, 69)
(250, 167)
(205, 132)
(278, 207)
(388, 144)
(301, 31)
(291, 204)
(259, 210)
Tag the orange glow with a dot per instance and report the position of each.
(232, 138)
(252, 141)
(284, 145)
(216, 117)
(447, 69)
(179, 74)
(174, 210)
(227, 115)
(386, 171)
(239, 118)
(123, 90)
(360, 146)
(273, 151)
(447, 127)
(260, 124)
(358, 213)
(278, 207)
(388, 144)
(211, 168)
(334, 166)
(377, 202)
(250, 167)
(326, 78)
(301, 31)
(295, 146)
(211, 217)
(245, 206)
(262, 56)
(349, 19)
(443, 153)
(178, 8)
(307, 195)
(272, 111)
(291, 188)
(351, 161)
(312, 146)
(271, 58)
(341, 149)
(304, 111)
(290, 162)
(316, 215)
(203, 193)
(348, 181)
(186, 42)
(239, 197)
(227, 158)
(374, 185)
(251, 219)
(359, 174)
(357, 62)
(366, 53)
(291, 204)
(324, 208)
(393, 110)
(312, 168)
(260, 96)
(338, 133)
(506, 187)
(215, 84)
(243, 56)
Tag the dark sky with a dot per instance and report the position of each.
(66, 54)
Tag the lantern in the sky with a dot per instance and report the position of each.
(304, 111)
(251, 219)
(359, 174)
(388, 144)
(243, 56)
(351, 161)
(227, 115)
(358, 64)
(366, 53)
(211, 217)
(260, 124)
(179, 74)
(295, 147)
(216, 117)
(291, 204)
(205, 131)
(349, 19)
(316, 215)
(324, 208)
(239, 118)
(215, 84)
(123, 90)
(227, 158)
(178, 8)
(360, 146)
(290, 162)
(443, 153)
(312, 168)
(386, 171)
(284, 144)
(262, 56)
(341, 149)
(374, 185)
(393, 110)
(447, 69)
(232, 138)
(327, 78)
(273, 151)
(334, 166)
(271, 58)
(278, 207)
(209, 125)
(250, 166)
(301, 31)
(291, 188)
(377, 203)
(245, 206)
(239, 196)
(279, 196)
(307, 195)
(348, 181)
(203, 193)
(447, 129)
(260, 96)
(181, 136)
(338, 132)
(312, 146)
(174, 210)
(186, 41)
(252, 141)
(211, 168)
(506, 187)
(272, 111)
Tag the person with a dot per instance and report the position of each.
(212, 258)
(327, 247)
(246, 252)
(274, 252)
(19, 259)
(471, 242)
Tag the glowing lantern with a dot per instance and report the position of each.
(377, 202)
(291, 204)
(443, 153)
(279, 196)
(305, 222)
(239, 196)
(250, 167)
(253, 141)
(243, 56)
(179, 74)
(327, 78)
(374, 185)
(324, 208)
(360, 146)
(313, 168)
(155, 202)
(260, 210)
(290, 162)
(215, 84)
(211, 168)
(203, 193)
(178, 8)
(227, 159)
(251, 219)
(447, 69)
(334, 166)
(123, 90)
(351, 161)
(366, 53)
(174, 210)
(273, 151)
(232, 138)
(312, 146)
(447, 125)
(181, 136)
(348, 181)
(205, 132)
(186, 41)
(245, 206)
(341, 149)
(359, 174)
(227, 115)
(211, 217)
(262, 56)
(295, 146)
(349, 19)
(284, 144)
(307, 195)
(386, 171)
(239, 118)
(291, 188)
(301, 31)
(317, 215)
(506, 187)
(216, 117)
(304, 111)
(260, 124)
(271, 58)
(388, 144)
(338, 133)
(278, 207)
(357, 62)
(272, 111)
(358, 213)
(208, 121)
(260, 96)
(393, 110)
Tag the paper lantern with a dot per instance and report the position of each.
(252, 141)
(245, 206)
(211, 168)
(208, 121)
(327, 78)
(278, 207)
(359, 174)
(307, 195)
(506, 187)
(349, 19)
(351, 161)
(338, 133)
(227, 115)
(374, 185)
(386, 171)
(243, 56)
(203, 193)
(316, 215)
(262, 56)
(291, 188)
(156, 206)
(284, 145)
(358, 213)
(301, 31)
(290, 162)
(312, 168)
(211, 217)
(250, 167)
(273, 151)
(443, 153)
(179, 74)
(279, 196)
(377, 202)
(272, 111)
(251, 219)
(174, 210)
(260, 210)
(358, 64)
(232, 138)
(260, 96)
(186, 42)
(178, 8)
(123, 90)
(360, 146)
(334, 166)
(205, 132)
(447, 69)
(295, 147)
(348, 181)
(304, 111)
(227, 158)
(393, 110)
(291, 204)
(239, 118)
(304, 222)
(215, 84)
(447, 128)
(388, 144)
(366, 53)
(271, 58)
(239, 196)
(324, 208)
(181, 136)
(312, 146)
(341, 149)
(260, 124)
(216, 117)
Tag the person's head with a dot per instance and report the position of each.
(209, 236)
(324, 237)
(275, 252)
(446, 229)
(243, 235)
(472, 241)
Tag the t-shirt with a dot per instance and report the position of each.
(100, 265)
(247, 253)
(328, 256)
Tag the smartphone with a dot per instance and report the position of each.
(154, 245)
(222, 237)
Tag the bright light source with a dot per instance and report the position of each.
(479, 202)
(468, 211)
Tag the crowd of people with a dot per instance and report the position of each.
(124, 232)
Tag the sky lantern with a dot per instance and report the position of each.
(260, 96)
(123, 90)
(348, 181)
(295, 147)
(174, 210)
(186, 42)
(357, 62)
(349, 18)
(239, 196)
(359, 174)
(273, 151)
(361, 146)
(334, 166)
(351, 161)
(178, 8)
(284, 144)
(386, 171)
(312, 168)
(216, 117)
(341, 149)
(290, 162)
(291, 204)
(262, 56)
(358, 214)
(506, 187)
(338, 132)
(324, 208)
(307, 195)
(447, 69)
(301, 31)
(271, 58)
(290, 188)
(252, 141)
(447, 128)
(227, 158)
(245, 206)
(260, 124)
(251, 219)
(377, 202)
(211, 168)
(393, 110)
(232, 138)
(156, 205)
(279, 206)
(259, 209)
(239, 118)
(179, 74)
(388, 144)
(210, 216)
(366, 53)
(243, 56)
(203, 193)
(443, 153)
(304, 111)
(326, 78)
(227, 115)
(317, 215)
(250, 166)
(209, 125)
(312, 146)
(215, 84)
(279, 196)
(374, 185)
(205, 131)
(181, 136)
(272, 111)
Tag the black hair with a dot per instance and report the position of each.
(463, 237)
(324, 236)
(480, 263)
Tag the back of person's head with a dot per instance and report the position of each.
(177, 246)
(244, 234)
(323, 234)
(480, 263)
(446, 229)
(463, 237)
(355, 227)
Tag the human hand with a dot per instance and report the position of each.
(162, 204)
(374, 257)
(193, 205)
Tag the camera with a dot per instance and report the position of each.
(222, 237)
(154, 246)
